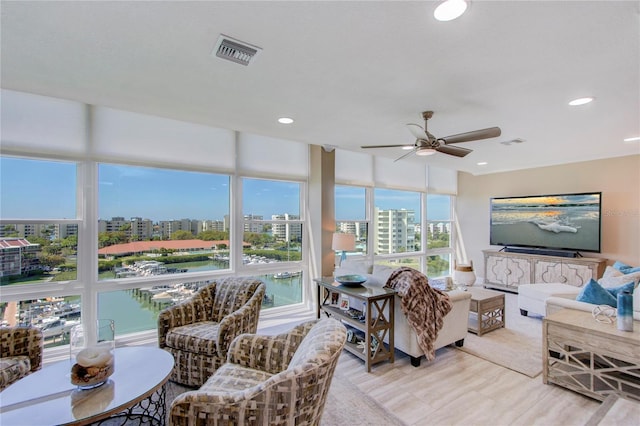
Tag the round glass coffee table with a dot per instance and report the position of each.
(134, 393)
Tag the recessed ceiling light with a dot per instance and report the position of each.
(408, 147)
(580, 101)
(482, 163)
(634, 139)
(285, 120)
(450, 10)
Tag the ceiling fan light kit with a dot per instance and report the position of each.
(427, 144)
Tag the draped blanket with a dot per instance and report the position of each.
(424, 306)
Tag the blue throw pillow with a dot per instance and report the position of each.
(624, 268)
(595, 294)
(614, 291)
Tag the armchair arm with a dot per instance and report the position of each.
(243, 320)
(197, 308)
(23, 341)
(267, 353)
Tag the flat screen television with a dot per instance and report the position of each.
(569, 222)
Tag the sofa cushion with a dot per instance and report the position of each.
(200, 337)
(234, 377)
(595, 294)
(615, 291)
(617, 281)
(624, 268)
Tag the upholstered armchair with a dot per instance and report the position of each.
(20, 353)
(198, 331)
(275, 380)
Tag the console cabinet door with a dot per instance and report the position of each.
(571, 273)
(507, 271)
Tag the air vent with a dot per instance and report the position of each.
(235, 50)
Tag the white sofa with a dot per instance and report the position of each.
(454, 329)
(610, 278)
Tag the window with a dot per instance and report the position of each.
(158, 221)
(272, 234)
(35, 250)
(394, 221)
(351, 216)
(439, 235)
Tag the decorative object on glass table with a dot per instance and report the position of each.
(344, 243)
(92, 354)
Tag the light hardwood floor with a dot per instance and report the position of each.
(460, 389)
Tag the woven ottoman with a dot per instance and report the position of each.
(532, 297)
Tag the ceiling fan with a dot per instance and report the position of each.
(427, 144)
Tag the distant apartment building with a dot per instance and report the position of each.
(168, 227)
(394, 231)
(253, 227)
(436, 228)
(18, 256)
(359, 229)
(135, 228)
(213, 225)
(64, 230)
(286, 231)
(25, 230)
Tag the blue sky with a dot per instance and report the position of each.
(45, 189)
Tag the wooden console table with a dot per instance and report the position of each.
(589, 357)
(506, 270)
(376, 323)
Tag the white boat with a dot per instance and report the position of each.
(57, 327)
(282, 275)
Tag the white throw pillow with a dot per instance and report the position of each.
(616, 281)
(382, 273)
(610, 271)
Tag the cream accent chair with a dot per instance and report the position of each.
(198, 332)
(454, 329)
(274, 380)
(21, 351)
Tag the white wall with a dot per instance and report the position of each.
(617, 178)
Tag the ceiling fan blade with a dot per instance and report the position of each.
(385, 146)
(417, 131)
(475, 135)
(453, 150)
(407, 154)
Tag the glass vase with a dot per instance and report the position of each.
(92, 354)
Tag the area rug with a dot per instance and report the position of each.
(346, 405)
(517, 347)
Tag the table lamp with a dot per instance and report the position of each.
(344, 243)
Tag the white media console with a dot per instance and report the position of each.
(508, 270)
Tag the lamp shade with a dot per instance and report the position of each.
(344, 242)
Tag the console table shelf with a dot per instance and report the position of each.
(373, 327)
(507, 270)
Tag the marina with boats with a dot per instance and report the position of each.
(137, 309)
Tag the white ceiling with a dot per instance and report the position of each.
(351, 73)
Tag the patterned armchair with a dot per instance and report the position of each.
(274, 380)
(20, 353)
(198, 331)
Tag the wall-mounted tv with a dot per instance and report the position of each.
(557, 221)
